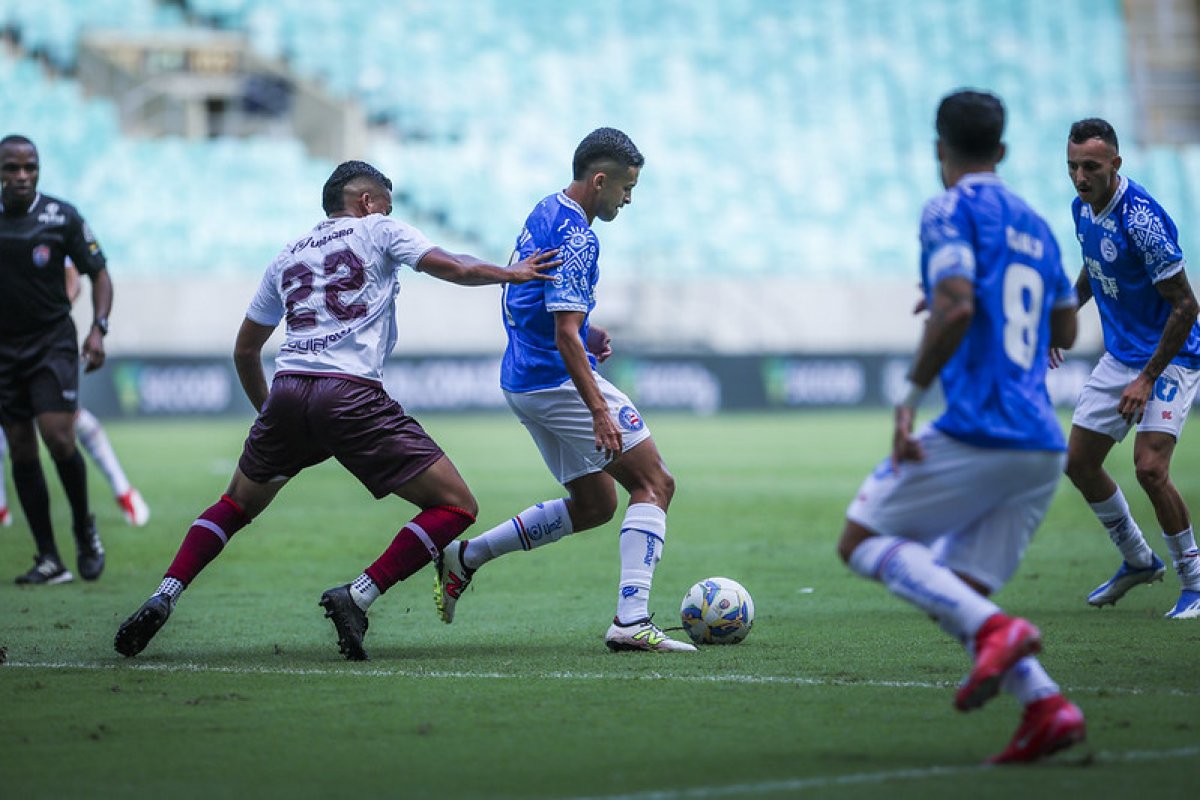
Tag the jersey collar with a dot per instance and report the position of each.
(1122, 185)
(569, 203)
(972, 178)
(37, 198)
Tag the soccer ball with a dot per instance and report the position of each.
(717, 611)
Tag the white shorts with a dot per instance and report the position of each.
(561, 426)
(1166, 410)
(976, 508)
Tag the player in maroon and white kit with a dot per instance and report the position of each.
(336, 287)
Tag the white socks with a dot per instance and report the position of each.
(535, 526)
(363, 591)
(1029, 682)
(1186, 558)
(95, 441)
(1114, 515)
(642, 533)
(909, 571)
(172, 588)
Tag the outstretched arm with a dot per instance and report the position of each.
(468, 270)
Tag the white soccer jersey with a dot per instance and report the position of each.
(336, 286)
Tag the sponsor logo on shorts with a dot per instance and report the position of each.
(629, 419)
(41, 255)
(1166, 388)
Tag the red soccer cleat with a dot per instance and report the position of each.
(1049, 725)
(134, 508)
(5, 516)
(1001, 642)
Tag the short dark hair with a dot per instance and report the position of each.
(16, 138)
(971, 123)
(605, 144)
(333, 195)
(1094, 128)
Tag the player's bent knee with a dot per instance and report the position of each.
(1152, 474)
(593, 514)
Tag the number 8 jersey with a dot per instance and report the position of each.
(995, 383)
(336, 286)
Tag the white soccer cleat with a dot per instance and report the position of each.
(5, 516)
(134, 508)
(1125, 578)
(1187, 607)
(451, 579)
(643, 635)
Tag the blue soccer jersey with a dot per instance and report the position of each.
(1127, 248)
(531, 359)
(995, 383)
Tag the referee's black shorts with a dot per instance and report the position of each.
(39, 372)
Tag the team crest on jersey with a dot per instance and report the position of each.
(1108, 250)
(629, 419)
(41, 255)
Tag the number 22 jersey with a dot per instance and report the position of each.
(336, 286)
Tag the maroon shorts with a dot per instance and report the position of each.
(308, 418)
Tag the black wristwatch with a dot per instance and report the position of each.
(102, 324)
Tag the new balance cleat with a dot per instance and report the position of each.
(1188, 606)
(349, 620)
(134, 508)
(137, 631)
(642, 635)
(89, 557)
(1001, 642)
(451, 579)
(47, 571)
(5, 517)
(1048, 725)
(1126, 577)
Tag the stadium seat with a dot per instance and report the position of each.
(773, 122)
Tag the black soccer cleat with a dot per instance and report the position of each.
(349, 620)
(90, 552)
(47, 571)
(137, 631)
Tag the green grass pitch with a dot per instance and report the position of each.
(840, 691)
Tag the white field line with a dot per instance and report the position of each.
(795, 785)
(350, 670)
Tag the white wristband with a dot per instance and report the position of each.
(912, 395)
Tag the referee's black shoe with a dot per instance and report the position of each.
(90, 553)
(47, 571)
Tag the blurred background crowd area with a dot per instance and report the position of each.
(788, 143)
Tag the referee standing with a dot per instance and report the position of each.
(39, 354)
